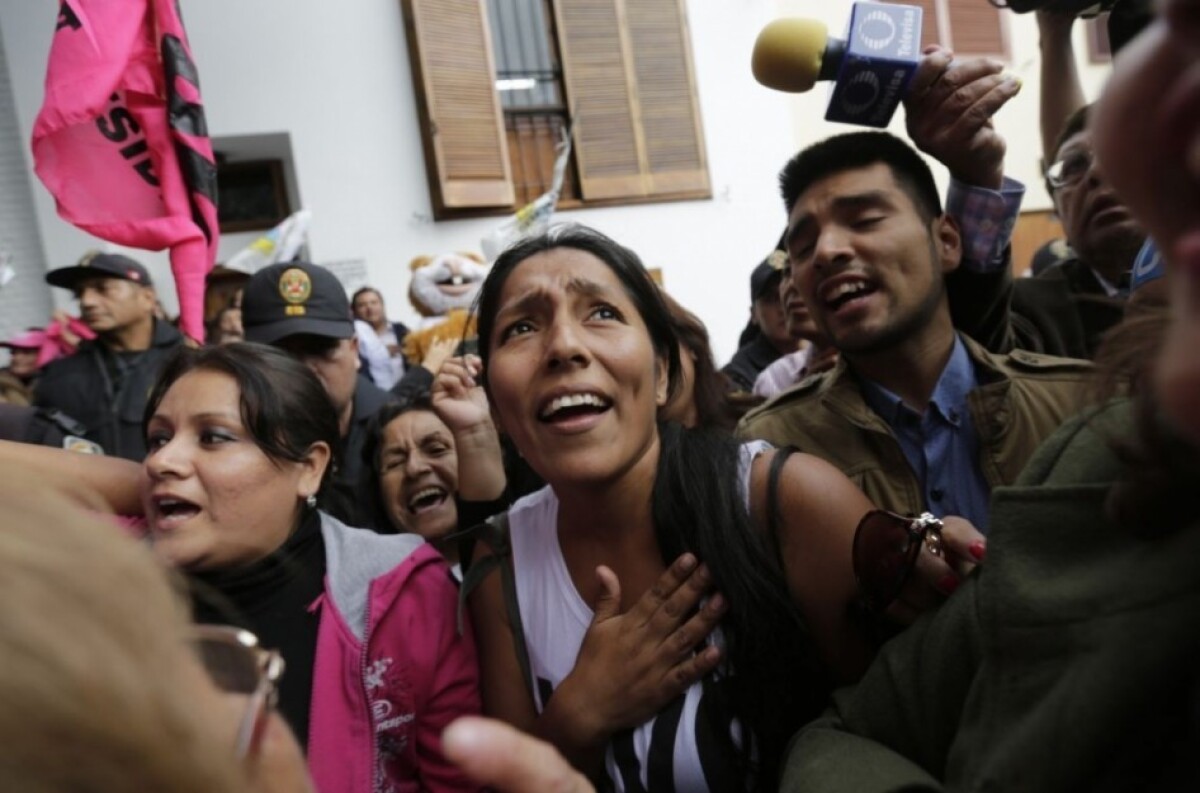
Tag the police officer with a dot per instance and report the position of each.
(302, 308)
(104, 384)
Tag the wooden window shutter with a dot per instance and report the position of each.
(599, 92)
(628, 73)
(666, 91)
(969, 27)
(976, 28)
(462, 126)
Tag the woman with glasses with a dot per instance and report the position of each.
(104, 686)
(242, 442)
(678, 621)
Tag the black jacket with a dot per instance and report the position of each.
(1068, 307)
(368, 399)
(749, 361)
(41, 426)
(1064, 311)
(349, 499)
(81, 386)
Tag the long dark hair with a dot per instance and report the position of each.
(698, 506)
(283, 405)
(709, 386)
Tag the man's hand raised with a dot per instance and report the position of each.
(949, 108)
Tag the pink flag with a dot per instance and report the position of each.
(61, 337)
(121, 141)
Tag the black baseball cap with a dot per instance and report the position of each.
(292, 298)
(105, 265)
(766, 275)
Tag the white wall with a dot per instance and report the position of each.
(27, 28)
(1017, 121)
(24, 300)
(335, 76)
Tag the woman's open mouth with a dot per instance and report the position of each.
(171, 512)
(574, 412)
(427, 499)
(573, 406)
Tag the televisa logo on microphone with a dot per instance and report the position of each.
(882, 52)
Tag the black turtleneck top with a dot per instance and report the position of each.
(271, 598)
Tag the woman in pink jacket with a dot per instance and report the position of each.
(241, 441)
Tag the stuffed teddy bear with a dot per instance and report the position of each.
(442, 289)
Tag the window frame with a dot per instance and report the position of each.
(942, 11)
(651, 184)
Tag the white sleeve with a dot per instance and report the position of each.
(373, 354)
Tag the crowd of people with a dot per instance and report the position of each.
(931, 528)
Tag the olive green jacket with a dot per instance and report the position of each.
(1070, 661)
(1022, 398)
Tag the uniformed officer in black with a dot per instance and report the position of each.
(303, 308)
(104, 384)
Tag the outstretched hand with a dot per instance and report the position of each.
(949, 107)
(632, 664)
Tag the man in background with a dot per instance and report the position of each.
(771, 338)
(387, 368)
(1072, 304)
(104, 384)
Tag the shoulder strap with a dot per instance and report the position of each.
(781, 456)
(494, 531)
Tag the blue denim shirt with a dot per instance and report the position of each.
(941, 445)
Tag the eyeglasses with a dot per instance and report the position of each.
(238, 665)
(886, 547)
(1069, 169)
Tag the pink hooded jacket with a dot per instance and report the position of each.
(391, 670)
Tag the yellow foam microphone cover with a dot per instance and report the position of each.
(788, 52)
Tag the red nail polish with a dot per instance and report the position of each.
(948, 584)
(978, 550)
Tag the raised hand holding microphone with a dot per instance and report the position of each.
(880, 64)
(949, 108)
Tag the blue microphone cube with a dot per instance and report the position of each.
(883, 48)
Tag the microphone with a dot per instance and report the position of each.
(870, 68)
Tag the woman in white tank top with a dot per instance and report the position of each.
(675, 641)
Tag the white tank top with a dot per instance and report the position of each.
(675, 750)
